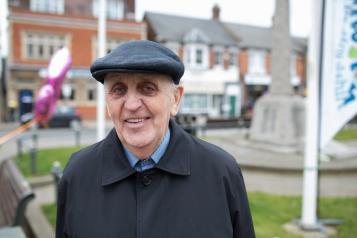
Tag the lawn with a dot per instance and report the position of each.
(46, 157)
(44, 160)
(271, 212)
(347, 133)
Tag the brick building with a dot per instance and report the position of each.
(40, 27)
(228, 65)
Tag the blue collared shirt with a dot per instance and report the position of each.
(156, 156)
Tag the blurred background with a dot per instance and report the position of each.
(246, 89)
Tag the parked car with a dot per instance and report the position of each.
(65, 116)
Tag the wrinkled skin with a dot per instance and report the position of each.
(140, 106)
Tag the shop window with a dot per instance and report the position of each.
(195, 102)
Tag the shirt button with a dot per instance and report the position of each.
(146, 180)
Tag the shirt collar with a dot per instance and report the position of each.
(175, 160)
(156, 156)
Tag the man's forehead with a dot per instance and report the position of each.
(132, 77)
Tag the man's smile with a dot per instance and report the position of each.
(135, 122)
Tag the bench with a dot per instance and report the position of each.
(15, 194)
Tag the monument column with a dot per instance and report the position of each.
(281, 50)
(278, 118)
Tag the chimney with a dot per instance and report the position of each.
(215, 12)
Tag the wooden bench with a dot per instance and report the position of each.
(15, 193)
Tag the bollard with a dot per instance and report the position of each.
(57, 174)
(78, 137)
(35, 140)
(19, 148)
(33, 154)
(75, 125)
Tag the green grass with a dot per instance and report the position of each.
(270, 212)
(45, 159)
(50, 212)
(347, 133)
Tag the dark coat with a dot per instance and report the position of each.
(195, 191)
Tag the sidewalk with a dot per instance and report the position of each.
(265, 171)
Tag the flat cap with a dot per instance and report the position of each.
(141, 56)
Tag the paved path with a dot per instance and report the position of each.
(264, 170)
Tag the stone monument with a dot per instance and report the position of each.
(278, 119)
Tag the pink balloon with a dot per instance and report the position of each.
(48, 95)
(45, 103)
(58, 68)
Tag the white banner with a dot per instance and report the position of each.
(339, 64)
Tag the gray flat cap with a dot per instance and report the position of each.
(141, 56)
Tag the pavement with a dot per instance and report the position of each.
(264, 170)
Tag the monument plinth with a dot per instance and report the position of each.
(278, 119)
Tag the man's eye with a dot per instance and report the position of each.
(149, 89)
(118, 91)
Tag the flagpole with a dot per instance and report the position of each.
(310, 170)
(320, 87)
(101, 52)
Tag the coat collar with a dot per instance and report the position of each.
(116, 167)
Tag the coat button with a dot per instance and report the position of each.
(146, 180)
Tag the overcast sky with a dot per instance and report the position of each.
(252, 12)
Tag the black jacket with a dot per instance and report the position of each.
(195, 191)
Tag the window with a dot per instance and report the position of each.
(196, 56)
(218, 57)
(199, 55)
(256, 62)
(111, 45)
(91, 94)
(115, 9)
(42, 46)
(51, 6)
(232, 58)
(198, 103)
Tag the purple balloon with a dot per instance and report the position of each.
(45, 103)
(58, 68)
(48, 95)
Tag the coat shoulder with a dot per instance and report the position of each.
(214, 155)
(84, 158)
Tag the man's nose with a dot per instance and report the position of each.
(132, 102)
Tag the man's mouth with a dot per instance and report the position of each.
(136, 120)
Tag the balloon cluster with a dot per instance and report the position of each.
(49, 93)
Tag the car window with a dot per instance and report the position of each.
(64, 110)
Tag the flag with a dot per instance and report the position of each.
(339, 67)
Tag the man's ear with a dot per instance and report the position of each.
(110, 116)
(177, 100)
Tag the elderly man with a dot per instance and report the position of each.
(149, 178)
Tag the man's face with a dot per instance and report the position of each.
(140, 106)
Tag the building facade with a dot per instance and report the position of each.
(227, 64)
(38, 28)
(210, 56)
